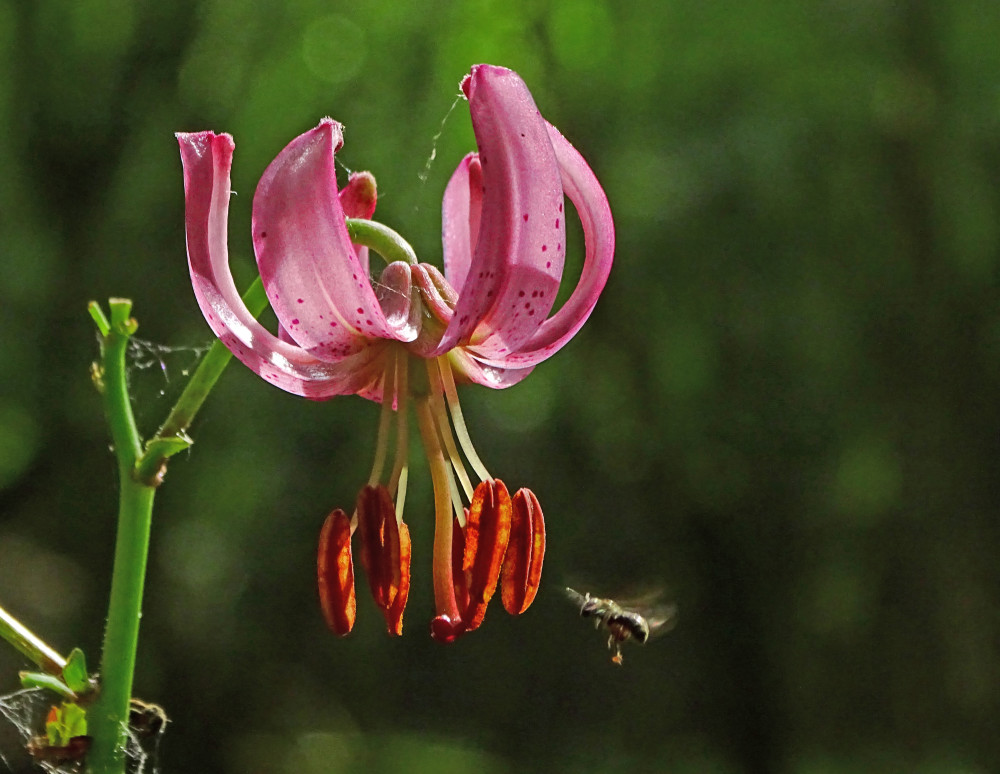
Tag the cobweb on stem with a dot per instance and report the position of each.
(25, 711)
(144, 355)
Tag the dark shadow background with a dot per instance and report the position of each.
(784, 409)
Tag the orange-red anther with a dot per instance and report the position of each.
(522, 566)
(487, 531)
(394, 613)
(336, 573)
(385, 553)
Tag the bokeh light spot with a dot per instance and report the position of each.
(867, 479)
(334, 48)
(18, 442)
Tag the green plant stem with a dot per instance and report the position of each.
(30, 645)
(139, 473)
(109, 715)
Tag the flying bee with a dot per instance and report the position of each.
(624, 622)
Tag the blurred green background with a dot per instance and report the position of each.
(784, 410)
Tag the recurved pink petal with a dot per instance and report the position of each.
(314, 281)
(583, 189)
(495, 377)
(207, 160)
(518, 256)
(461, 210)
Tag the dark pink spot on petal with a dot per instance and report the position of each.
(544, 248)
(360, 310)
(525, 217)
(295, 322)
(557, 222)
(301, 300)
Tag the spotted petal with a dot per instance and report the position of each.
(583, 189)
(316, 285)
(518, 257)
(207, 160)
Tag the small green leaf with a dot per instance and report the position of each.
(75, 672)
(167, 447)
(65, 722)
(74, 720)
(49, 682)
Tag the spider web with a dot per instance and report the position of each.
(144, 355)
(157, 374)
(25, 712)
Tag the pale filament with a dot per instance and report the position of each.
(384, 422)
(395, 406)
(441, 419)
(400, 477)
(456, 497)
(458, 421)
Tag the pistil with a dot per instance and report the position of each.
(444, 589)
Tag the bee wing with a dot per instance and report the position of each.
(661, 619)
(644, 598)
(576, 597)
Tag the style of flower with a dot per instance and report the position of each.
(413, 333)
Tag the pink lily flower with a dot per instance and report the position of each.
(487, 319)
